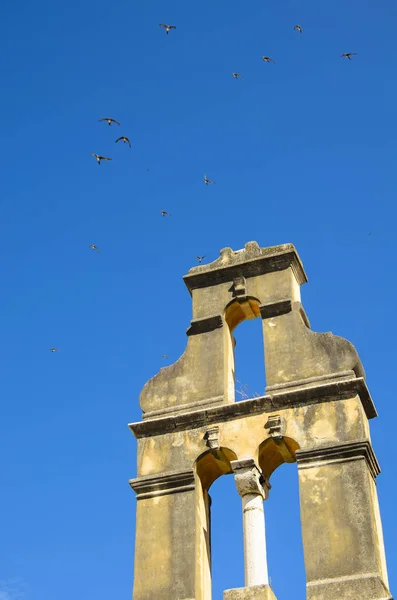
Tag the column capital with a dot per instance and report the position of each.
(249, 478)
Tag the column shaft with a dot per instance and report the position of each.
(255, 559)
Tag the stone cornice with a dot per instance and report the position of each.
(283, 307)
(303, 396)
(161, 484)
(205, 325)
(275, 309)
(249, 262)
(341, 452)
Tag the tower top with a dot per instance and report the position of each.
(246, 284)
(250, 261)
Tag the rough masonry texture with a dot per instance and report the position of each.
(315, 411)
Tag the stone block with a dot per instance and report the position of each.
(255, 592)
(358, 587)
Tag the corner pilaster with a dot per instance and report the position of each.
(341, 526)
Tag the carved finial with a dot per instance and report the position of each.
(226, 254)
(252, 247)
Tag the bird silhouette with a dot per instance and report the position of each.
(125, 140)
(268, 59)
(167, 27)
(165, 356)
(54, 349)
(207, 181)
(200, 258)
(99, 158)
(236, 75)
(348, 55)
(94, 247)
(298, 28)
(164, 213)
(109, 121)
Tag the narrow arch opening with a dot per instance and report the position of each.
(246, 349)
(226, 537)
(249, 360)
(284, 535)
(219, 522)
(282, 510)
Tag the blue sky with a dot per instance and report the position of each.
(303, 151)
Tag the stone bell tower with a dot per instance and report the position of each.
(315, 412)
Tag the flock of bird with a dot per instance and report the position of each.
(122, 138)
(207, 181)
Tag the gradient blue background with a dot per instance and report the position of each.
(303, 151)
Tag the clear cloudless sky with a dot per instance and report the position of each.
(302, 151)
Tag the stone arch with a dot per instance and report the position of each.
(212, 464)
(273, 452)
(236, 311)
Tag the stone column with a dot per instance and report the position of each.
(249, 483)
(253, 491)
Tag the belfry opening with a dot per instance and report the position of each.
(246, 340)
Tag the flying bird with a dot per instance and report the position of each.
(54, 349)
(236, 75)
(298, 28)
(207, 181)
(99, 158)
(167, 27)
(125, 140)
(348, 55)
(94, 247)
(268, 59)
(200, 258)
(164, 212)
(109, 121)
(165, 356)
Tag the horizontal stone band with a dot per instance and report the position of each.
(275, 309)
(313, 394)
(174, 482)
(205, 325)
(340, 453)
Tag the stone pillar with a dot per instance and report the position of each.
(250, 487)
(165, 546)
(341, 527)
(253, 491)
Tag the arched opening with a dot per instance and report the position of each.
(246, 349)
(219, 531)
(226, 537)
(284, 535)
(283, 526)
